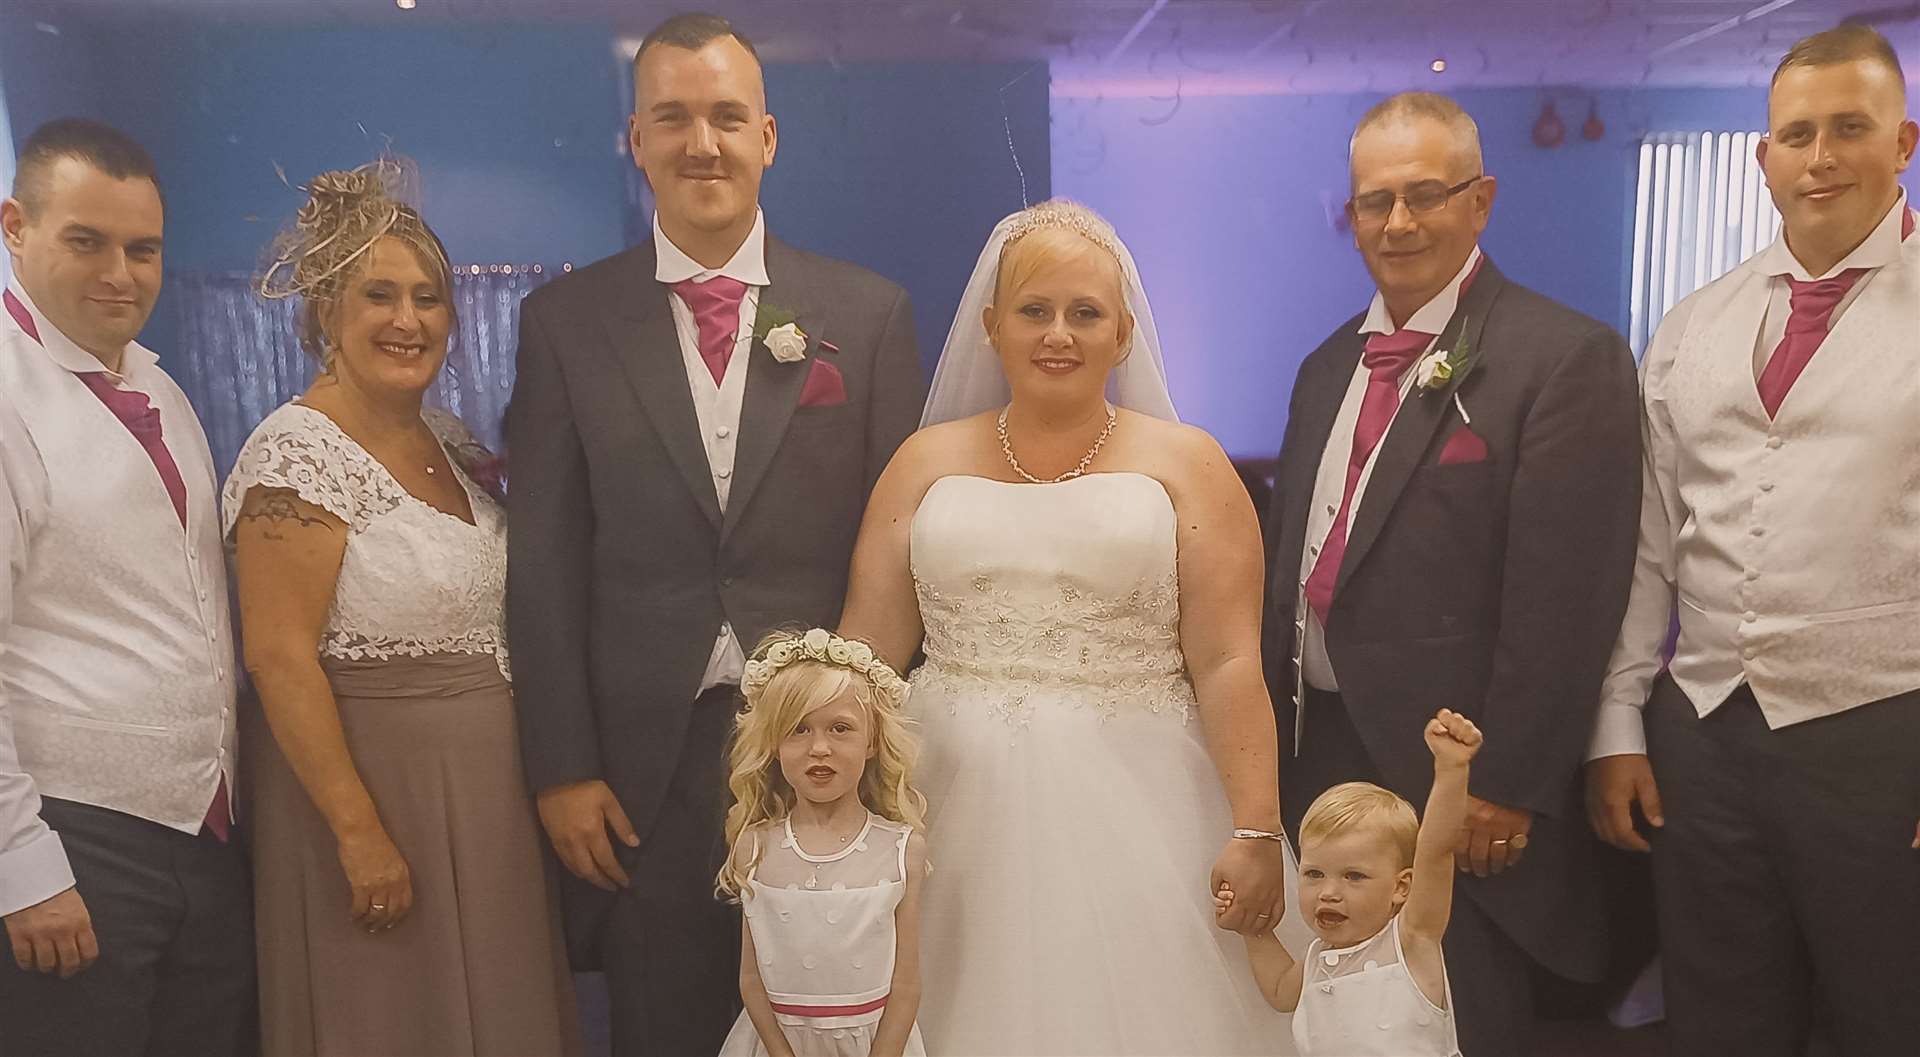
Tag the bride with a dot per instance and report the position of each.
(1099, 746)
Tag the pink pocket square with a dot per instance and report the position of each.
(824, 386)
(1464, 446)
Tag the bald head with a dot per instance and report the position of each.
(1407, 108)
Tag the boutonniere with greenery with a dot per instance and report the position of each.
(775, 328)
(1440, 367)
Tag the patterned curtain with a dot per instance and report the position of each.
(239, 357)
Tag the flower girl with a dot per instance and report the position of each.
(826, 859)
(1376, 886)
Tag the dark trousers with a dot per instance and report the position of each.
(174, 917)
(1786, 881)
(672, 950)
(1491, 976)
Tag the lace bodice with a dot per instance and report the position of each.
(415, 580)
(1069, 586)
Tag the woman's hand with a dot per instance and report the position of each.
(1255, 871)
(378, 874)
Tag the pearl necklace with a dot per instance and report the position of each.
(1080, 468)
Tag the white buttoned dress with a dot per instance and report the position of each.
(1361, 1001)
(823, 931)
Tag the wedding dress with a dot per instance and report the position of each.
(1075, 811)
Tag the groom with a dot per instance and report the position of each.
(1457, 537)
(694, 430)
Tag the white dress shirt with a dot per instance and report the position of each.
(116, 652)
(1330, 484)
(1792, 544)
(717, 407)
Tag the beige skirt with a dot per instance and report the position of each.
(478, 966)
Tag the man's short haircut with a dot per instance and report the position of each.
(1427, 106)
(99, 145)
(692, 31)
(1848, 42)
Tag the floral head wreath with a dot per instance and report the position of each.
(1064, 213)
(823, 646)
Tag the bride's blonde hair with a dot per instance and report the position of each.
(778, 695)
(1054, 231)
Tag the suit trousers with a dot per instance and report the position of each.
(173, 914)
(672, 949)
(1787, 886)
(1491, 976)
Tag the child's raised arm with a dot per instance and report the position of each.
(1453, 740)
(1274, 967)
(903, 998)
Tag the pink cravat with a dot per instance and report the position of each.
(715, 304)
(142, 419)
(1387, 358)
(1808, 322)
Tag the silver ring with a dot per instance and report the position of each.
(383, 906)
(1502, 841)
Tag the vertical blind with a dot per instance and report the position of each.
(1701, 208)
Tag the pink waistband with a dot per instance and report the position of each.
(830, 1011)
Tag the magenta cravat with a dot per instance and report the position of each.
(1387, 358)
(1807, 325)
(715, 304)
(1808, 322)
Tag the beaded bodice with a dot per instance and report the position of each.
(1029, 590)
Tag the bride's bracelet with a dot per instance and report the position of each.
(1258, 834)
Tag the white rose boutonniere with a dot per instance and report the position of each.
(1432, 370)
(787, 343)
(776, 329)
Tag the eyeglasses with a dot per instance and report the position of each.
(1423, 197)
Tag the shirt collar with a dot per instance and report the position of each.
(749, 263)
(68, 355)
(1881, 248)
(1433, 316)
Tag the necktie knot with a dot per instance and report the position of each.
(1393, 353)
(1813, 302)
(716, 294)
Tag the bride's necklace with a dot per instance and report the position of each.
(1006, 448)
(817, 861)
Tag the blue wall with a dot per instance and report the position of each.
(1227, 203)
(517, 131)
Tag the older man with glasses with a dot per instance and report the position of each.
(1454, 519)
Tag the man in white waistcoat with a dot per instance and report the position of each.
(1776, 761)
(127, 906)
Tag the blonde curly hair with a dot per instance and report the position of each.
(775, 706)
(319, 253)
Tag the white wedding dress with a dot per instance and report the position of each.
(1075, 810)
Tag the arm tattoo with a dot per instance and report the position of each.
(275, 510)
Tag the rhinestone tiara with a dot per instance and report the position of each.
(1064, 213)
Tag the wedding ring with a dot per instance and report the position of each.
(1500, 842)
(383, 906)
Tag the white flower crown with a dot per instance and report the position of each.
(819, 644)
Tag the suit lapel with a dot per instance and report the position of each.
(1414, 424)
(648, 350)
(773, 388)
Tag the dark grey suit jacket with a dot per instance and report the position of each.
(1493, 588)
(621, 567)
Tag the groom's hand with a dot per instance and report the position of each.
(576, 817)
(1256, 872)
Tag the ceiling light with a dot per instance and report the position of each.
(405, 5)
(1439, 66)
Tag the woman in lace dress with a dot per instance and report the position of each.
(1099, 749)
(401, 896)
